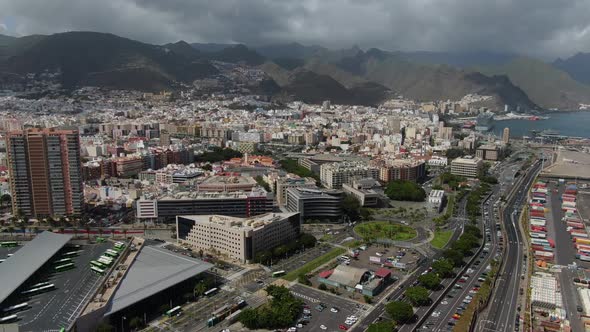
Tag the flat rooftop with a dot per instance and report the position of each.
(15, 270)
(241, 223)
(228, 180)
(569, 165)
(154, 270)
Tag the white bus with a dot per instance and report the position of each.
(16, 307)
(97, 270)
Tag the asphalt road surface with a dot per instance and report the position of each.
(503, 307)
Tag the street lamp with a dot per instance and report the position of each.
(123, 318)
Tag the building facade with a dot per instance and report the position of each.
(470, 167)
(315, 203)
(400, 169)
(284, 184)
(334, 175)
(238, 238)
(45, 172)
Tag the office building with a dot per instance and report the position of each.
(319, 204)
(334, 175)
(489, 152)
(403, 169)
(468, 166)
(45, 172)
(237, 238)
(364, 191)
(506, 135)
(284, 184)
(237, 204)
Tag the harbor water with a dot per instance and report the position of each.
(574, 124)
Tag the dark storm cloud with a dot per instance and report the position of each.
(539, 27)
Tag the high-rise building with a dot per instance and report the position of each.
(45, 172)
(506, 135)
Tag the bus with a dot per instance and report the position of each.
(64, 267)
(17, 307)
(118, 250)
(70, 254)
(210, 292)
(37, 290)
(174, 311)
(97, 270)
(8, 319)
(63, 329)
(40, 284)
(112, 253)
(278, 273)
(63, 261)
(105, 262)
(105, 257)
(100, 239)
(97, 264)
(119, 245)
(9, 244)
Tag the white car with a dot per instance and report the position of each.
(353, 317)
(334, 310)
(323, 327)
(436, 314)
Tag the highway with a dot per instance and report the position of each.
(503, 309)
(444, 310)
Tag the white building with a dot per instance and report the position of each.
(468, 166)
(334, 175)
(436, 199)
(237, 238)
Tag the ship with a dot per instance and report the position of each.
(485, 121)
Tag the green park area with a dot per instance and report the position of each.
(441, 238)
(384, 230)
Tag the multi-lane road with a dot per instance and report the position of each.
(503, 310)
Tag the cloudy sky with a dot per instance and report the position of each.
(544, 28)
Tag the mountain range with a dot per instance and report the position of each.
(308, 73)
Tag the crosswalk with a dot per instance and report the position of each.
(305, 297)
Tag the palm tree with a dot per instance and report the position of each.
(87, 227)
(11, 230)
(199, 289)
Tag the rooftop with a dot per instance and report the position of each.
(27, 260)
(228, 180)
(154, 270)
(467, 160)
(241, 223)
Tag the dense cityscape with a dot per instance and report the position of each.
(223, 187)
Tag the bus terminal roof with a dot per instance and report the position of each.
(15, 270)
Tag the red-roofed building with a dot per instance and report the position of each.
(326, 274)
(383, 273)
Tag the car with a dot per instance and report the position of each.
(579, 308)
(436, 314)
(323, 327)
(319, 308)
(456, 316)
(292, 329)
(334, 310)
(353, 317)
(343, 327)
(462, 280)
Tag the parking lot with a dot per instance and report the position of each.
(59, 307)
(327, 318)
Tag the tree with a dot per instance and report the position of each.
(207, 167)
(200, 289)
(455, 153)
(323, 287)
(402, 190)
(303, 279)
(430, 280)
(135, 323)
(400, 312)
(366, 214)
(4, 199)
(262, 183)
(249, 318)
(443, 267)
(418, 296)
(385, 326)
(308, 240)
(454, 256)
(368, 299)
(351, 207)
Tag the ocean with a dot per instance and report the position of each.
(575, 124)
